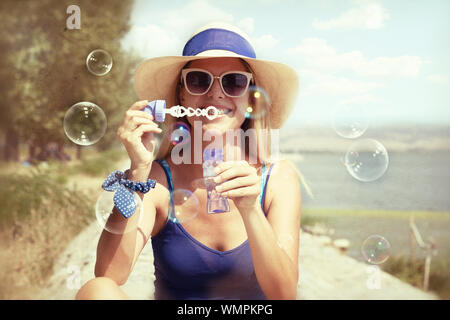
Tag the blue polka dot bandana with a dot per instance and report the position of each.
(123, 198)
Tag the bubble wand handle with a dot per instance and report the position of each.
(157, 108)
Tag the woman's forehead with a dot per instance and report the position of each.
(218, 65)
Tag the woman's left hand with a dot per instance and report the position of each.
(241, 183)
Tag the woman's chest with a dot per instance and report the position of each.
(220, 231)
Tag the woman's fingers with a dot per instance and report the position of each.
(241, 192)
(238, 182)
(231, 169)
(136, 121)
(138, 105)
(144, 128)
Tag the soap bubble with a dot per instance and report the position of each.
(180, 133)
(187, 206)
(99, 62)
(366, 160)
(259, 106)
(375, 249)
(104, 208)
(85, 123)
(350, 121)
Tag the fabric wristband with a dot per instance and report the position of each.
(124, 188)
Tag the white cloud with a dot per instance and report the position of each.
(440, 79)
(247, 25)
(364, 16)
(319, 84)
(264, 42)
(363, 99)
(317, 54)
(152, 40)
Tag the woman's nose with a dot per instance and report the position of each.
(216, 89)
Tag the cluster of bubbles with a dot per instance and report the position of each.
(365, 160)
(376, 249)
(85, 122)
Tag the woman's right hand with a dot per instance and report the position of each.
(136, 133)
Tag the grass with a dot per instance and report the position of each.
(41, 213)
(413, 272)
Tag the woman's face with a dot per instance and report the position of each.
(216, 97)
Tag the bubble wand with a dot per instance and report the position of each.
(157, 108)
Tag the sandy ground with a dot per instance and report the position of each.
(324, 273)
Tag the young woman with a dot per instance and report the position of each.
(250, 252)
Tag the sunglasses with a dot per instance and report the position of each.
(233, 83)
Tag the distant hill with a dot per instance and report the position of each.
(394, 138)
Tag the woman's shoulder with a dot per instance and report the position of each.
(283, 175)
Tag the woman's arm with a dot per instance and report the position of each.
(274, 240)
(118, 253)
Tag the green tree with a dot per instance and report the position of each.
(44, 72)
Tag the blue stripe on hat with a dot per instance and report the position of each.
(218, 39)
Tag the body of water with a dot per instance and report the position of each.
(413, 181)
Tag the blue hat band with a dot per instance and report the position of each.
(218, 39)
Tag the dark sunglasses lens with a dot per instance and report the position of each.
(234, 84)
(198, 81)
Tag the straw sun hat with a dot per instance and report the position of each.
(157, 78)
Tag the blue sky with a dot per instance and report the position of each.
(389, 57)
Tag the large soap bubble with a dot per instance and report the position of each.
(99, 62)
(366, 160)
(85, 123)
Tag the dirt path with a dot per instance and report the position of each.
(325, 273)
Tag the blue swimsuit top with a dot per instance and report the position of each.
(187, 269)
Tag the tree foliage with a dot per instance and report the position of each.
(43, 66)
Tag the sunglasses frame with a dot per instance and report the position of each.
(184, 73)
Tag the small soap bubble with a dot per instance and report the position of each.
(350, 121)
(85, 123)
(104, 208)
(99, 62)
(366, 160)
(187, 206)
(259, 103)
(376, 249)
(180, 133)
